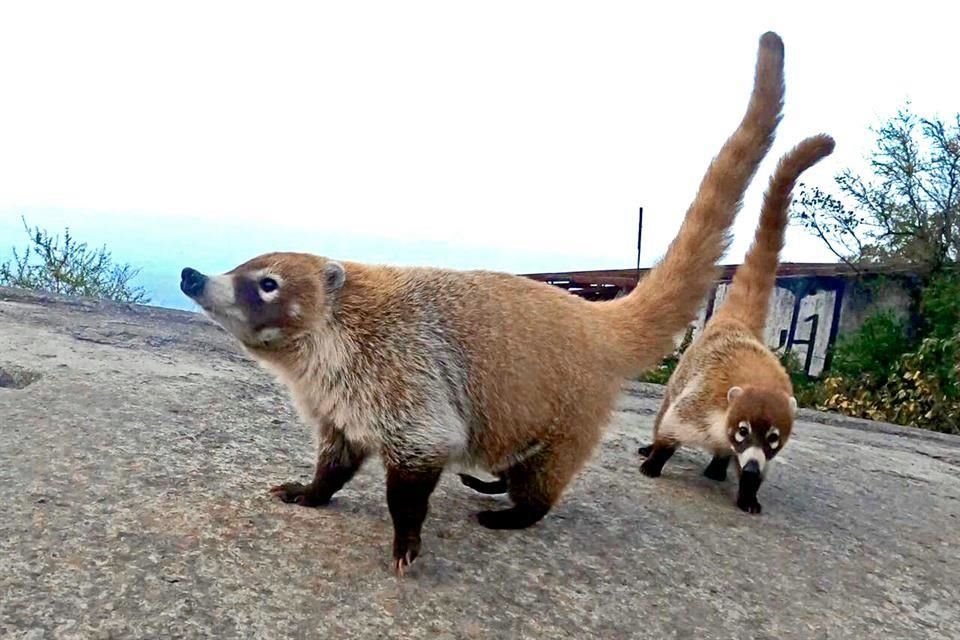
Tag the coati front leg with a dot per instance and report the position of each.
(646, 450)
(408, 497)
(674, 424)
(747, 491)
(337, 462)
(717, 469)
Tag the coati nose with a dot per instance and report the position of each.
(751, 467)
(192, 282)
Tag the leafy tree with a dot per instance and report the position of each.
(64, 265)
(907, 211)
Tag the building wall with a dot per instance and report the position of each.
(808, 314)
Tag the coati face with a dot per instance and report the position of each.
(267, 303)
(759, 422)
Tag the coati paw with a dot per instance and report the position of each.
(405, 551)
(491, 519)
(749, 506)
(512, 518)
(298, 493)
(650, 470)
(717, 475)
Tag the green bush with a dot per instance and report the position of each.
(879, 374)
(870, 354)
(805, 388)
(916, 393)
(64, 265)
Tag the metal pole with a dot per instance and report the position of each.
(639, 237)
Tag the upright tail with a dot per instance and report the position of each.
(748, 298)
(646, 322)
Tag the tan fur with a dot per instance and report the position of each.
(699, 408)
(432, 367)
(704, 235)
(748, 298)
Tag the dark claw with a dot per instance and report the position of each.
(405, 551)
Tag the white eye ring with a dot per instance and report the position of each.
(743, 430)
(773, 438)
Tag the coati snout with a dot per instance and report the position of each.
(192, 282)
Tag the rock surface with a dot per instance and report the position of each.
(137, 446)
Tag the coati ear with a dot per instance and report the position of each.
(334, 275)
(733, 393)
(793, 405)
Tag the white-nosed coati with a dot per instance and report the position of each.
(430, 368)
(729, 393)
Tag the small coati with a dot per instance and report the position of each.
(431, 368)
(729, 392)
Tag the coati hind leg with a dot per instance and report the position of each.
(530, 489)
(646, 450)
(480, 486)
(662, 449)
(337, 462)
(536, 483)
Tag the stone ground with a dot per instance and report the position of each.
(137, 446)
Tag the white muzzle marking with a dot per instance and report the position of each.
(753, 453)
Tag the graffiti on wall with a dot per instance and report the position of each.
(803, 319)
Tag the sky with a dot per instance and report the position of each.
(519, 136)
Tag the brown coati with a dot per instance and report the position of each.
(432, 368)
(729, 393)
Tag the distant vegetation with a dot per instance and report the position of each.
(899, 371)
(61, 264)
(900, 368)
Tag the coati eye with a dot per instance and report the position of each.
(773, 438)
(742, 432)
(268, 285)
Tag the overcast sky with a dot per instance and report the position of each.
(511, 135)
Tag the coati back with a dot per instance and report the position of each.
(430, 368)
(729, 392)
